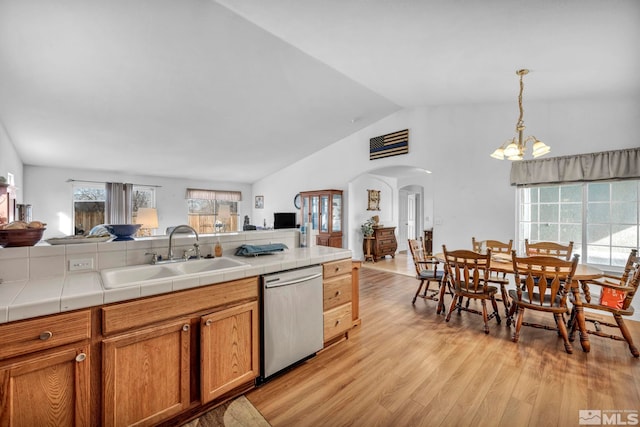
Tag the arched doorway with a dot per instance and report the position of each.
(406, 202)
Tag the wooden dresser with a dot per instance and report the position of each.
(384, 242)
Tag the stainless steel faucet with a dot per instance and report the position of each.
(196, 245)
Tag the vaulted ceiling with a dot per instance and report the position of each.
(237, 89)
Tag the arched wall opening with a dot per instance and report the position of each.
(400, 188)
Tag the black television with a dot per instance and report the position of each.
(284, 220)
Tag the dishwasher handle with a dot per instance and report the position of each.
(275, 283)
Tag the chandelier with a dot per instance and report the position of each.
(513, 149)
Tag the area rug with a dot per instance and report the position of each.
(237, 413)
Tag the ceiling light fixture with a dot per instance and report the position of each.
(513, 149)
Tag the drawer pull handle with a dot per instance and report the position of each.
(208, 322)
(46, 335)
(337, 322)
(185, 328)
(337, 293)
(81, 357)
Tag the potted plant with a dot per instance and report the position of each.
(367, 228)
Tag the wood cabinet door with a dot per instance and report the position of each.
(50, 388)
(146, 374)
(229, 349)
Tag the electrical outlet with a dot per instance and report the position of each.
(81, 264)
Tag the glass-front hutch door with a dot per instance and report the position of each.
(315, 205)
(324, 213)
(336, 213)
(305, 210)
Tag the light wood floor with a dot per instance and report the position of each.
(401, 264)
(405, 366)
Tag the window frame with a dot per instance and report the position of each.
(102, 186)
(583, 246)
(216, 198)
(84, 184)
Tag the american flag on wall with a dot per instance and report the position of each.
(390, 144)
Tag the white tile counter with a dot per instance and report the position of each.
(37, 296)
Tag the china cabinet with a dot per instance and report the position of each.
(323, 210)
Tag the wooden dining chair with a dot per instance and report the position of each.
(616, 296)
(545, 285)
(467, 273)
(426, 271)
(553, 249)
(497, 247)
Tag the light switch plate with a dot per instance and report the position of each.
(81, 264)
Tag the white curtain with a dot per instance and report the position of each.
(606, 165)
(119, 203)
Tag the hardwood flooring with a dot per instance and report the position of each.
(401, 264)
(406, 366)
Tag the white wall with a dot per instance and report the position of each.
(470, 192)
(358, 203)
(48, 191)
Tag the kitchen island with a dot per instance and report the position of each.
(154, 351)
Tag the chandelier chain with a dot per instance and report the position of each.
(520, 124)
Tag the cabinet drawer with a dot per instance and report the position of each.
(337, 321)
(27, 336)
(337, 291)
(385, 234)
(336, 268)
(128, 315)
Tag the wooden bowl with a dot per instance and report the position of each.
(20, 237)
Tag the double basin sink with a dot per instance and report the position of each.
(128, 276)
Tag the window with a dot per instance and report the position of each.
(213, 211)
(88, 206)
(89, 201)
(143, 197)
(601, 218)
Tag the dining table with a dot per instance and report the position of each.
(503, 264)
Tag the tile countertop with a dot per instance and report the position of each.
(25, 299)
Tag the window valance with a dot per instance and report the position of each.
(229, 196)
(606, 165)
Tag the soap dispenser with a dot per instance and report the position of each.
(218, 249)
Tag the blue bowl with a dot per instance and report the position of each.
(123, 231)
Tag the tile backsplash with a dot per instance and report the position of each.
(44, 260)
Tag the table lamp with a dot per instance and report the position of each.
(148, 218)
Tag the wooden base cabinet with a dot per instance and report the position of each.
(45, 371)
(50, 388)
(166, 357)
(146, 374)
(230, 350)
(337, 300)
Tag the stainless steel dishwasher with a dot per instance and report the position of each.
(292, 324)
